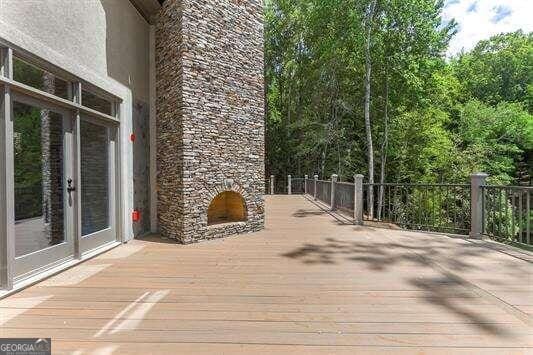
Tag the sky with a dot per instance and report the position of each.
(481, 19)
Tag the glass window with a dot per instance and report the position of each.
(90, 100)
(94, 177)
(38, 153)
(37, 78)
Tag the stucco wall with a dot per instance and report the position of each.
(108, 37)
(103, 42)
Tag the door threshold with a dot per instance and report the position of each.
(30, 281)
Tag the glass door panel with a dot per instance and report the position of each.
(94, 177)
(42, 165)
(97, 144)
(38, 160)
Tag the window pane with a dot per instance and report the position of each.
(38, 152)
(30, 75)
(94, 177)
(90, 100)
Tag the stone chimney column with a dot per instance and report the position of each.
(209, 113)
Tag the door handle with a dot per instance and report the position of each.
(70, 188)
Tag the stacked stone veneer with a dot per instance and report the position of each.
(52, 168)
(210, 114)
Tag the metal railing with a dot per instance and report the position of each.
(502, 213)
(310, 186)
(344, 196)
(297, 186)
(424, 207)
(507, 214)
(276, 185)
(281, 185)
(323, 191)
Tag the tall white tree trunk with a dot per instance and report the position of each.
(368, 126)
(384, 145)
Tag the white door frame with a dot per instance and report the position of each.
(108, 235)
(29, 264)
(10, 88)
(7, 246)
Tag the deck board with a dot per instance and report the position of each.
(309, 283)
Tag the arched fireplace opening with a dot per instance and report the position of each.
(226, 207)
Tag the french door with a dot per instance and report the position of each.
(97, 184)
(63, 185)
(43, 165)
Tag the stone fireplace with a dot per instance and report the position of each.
(210, 118)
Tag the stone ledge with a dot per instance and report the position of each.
(226, 225)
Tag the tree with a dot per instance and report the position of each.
(498, 69)
(494, 139)
(369, 17)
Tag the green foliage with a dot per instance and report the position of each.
(422, 149)
(28, 161)
(27, 128)
(494, 139)
(498, 69)
(27, 146)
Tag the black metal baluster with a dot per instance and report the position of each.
(528, 216)
(507, 226)
(483, 221)
(493, 209)
(520, 207)
(454, 208)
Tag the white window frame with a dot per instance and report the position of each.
(73, 104)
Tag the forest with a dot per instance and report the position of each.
(366, 87)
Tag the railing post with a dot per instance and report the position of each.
(316, 179)
(272, 184)
(358, 199)
(305, 184)
(289, 185)
(476, 204)
(334, 178)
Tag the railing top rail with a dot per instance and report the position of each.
(417, 185)
(344, 183)
(328, 181)
(501, 187)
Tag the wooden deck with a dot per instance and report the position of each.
(308, 283)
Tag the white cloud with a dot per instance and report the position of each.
(481, 19)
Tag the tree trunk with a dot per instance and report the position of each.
(368, 127)
(323, 163)
(384, 146)
(287, 132)
(339, 166)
